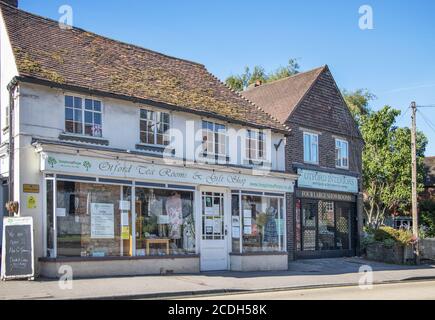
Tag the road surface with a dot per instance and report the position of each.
(415, 290)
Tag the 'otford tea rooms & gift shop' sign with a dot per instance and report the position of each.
(52, 162)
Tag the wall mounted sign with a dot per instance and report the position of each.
(327, 181)
(17, 255)
(53, 162)
(323, 195)
(31, 202)
(31, 188)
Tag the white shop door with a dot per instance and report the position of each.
(214, 238)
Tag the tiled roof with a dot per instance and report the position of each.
(429, 164)
(82, 59)
(280, 98)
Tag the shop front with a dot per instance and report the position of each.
(326, 215)
(107, 216)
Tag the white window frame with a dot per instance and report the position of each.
(314, 143)
(339, 162)
(255, 148)
(215, 134)
(83, 114)
(155, 124)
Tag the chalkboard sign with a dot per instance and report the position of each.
(17, 255)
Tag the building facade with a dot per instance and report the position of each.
(325, 150)
(429, 183)
(132, 162)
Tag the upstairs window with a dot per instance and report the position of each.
(83, 116)
(154, 127)
(341, 154)
(255, 145)
(311, 148)
(213, 138)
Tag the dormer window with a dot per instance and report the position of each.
(83, 116)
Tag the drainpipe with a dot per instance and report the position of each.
(11, 89)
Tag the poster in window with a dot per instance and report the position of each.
(102, 221)
(236, 232)
(247, 230)
(247, 213)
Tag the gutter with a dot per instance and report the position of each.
(163, 105)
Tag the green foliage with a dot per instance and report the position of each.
(427, 218)
(247, 78)
(390, 236)
(387, 165)
(358, 101)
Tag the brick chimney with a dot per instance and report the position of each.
(13, 3)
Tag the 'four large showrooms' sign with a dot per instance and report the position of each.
(63, 163)
(327, 181)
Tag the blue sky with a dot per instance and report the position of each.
(395, 60)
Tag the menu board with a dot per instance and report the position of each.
(102, 221)
(17, 255)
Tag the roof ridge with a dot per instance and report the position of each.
(290, 77)
(39, 17)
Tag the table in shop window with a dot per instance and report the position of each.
(156, 241)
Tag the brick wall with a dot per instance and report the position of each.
(324, 111)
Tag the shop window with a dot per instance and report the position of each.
(311, 148)
(165, 223)
(50, 218)
(83, 116)
(263, 224)
(235, 223)
(255, 145)
(213, 138)
(341, 154)
(154, 127)
(93, 220)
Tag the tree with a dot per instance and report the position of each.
(284, 72)
(358, 101)
(387, 165)
(242, 81)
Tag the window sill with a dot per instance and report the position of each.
(342, 168)
(83, 139)
(153, 148)
(215, 157)
(100, 259)
(260, 253)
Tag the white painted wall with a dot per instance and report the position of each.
(43, 116)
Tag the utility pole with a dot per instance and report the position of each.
(414, 181)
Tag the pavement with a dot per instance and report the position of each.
(302, 274)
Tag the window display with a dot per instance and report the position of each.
(262, 223)
(88, 220)
(164, 222)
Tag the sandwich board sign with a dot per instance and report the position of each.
(18, 250)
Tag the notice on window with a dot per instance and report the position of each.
(247, 213)
(247, 230)
(236, 232)
(102, 221)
